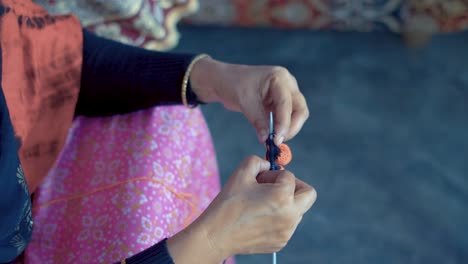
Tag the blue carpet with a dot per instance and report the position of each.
(386, 145)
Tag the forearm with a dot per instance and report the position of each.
(118, 79)
(206, 77)
(210, 77)
(186, 247)
(156, 254)
(192, 246)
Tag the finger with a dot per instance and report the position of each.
(251, 167)
(255, 113)
(286, 180)
(302, 186)
(281, 86)
(304, 196)
(268, 176)
(299, 115)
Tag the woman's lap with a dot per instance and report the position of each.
(122, 184)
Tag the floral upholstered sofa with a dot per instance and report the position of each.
(417, 20)
(152, 23)
(145, 23)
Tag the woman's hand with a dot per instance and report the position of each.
(257, 212)
(254, 91)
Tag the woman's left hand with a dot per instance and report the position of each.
(254, 91)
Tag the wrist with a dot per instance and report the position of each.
(192, 245)
(205, 79)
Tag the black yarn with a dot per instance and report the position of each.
(272, 154)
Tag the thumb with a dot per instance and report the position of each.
(251, 167)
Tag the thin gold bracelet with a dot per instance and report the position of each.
(185, 81)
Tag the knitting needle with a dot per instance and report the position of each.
(272, 130)
(271, 137)
(272, 159)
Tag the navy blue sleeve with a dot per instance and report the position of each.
(156, 254)
(15, 204)
(119, 79)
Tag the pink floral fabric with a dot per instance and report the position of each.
(122, 184)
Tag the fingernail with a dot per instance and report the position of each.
(280, 140)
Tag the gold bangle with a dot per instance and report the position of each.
(187, 78)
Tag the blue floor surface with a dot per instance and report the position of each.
(386, 145)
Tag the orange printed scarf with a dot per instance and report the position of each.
(41, 59)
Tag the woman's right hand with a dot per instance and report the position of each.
(256, 212)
